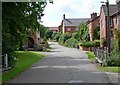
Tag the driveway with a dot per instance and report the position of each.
(62, 65)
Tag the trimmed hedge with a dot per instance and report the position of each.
(72, 42)
(95, 43)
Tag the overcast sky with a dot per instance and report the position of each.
(71, 8)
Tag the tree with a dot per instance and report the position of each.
(96, 33)
(49, 34)
(83, 32)
(42, 30)
(17, 19)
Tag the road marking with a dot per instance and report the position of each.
(75, 81)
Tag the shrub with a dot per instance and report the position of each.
(44, 39)
(96, 43)
(12, 60)
(40, 47)
(114, 59)
(64, 37)
(53, 35)
(72, 42)
(80, 43)
(57, 36)
(46, 44)
(103, 42)
(96, 33)
(87, 44)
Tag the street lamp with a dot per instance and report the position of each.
(108, 26)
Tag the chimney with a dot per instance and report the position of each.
(93, 15)
(63, 16)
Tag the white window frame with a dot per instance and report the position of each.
(68, 29)
(76, 29)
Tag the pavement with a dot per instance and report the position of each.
(114, 77)
(62, 65)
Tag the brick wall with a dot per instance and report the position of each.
(73, 29)
(103, 25)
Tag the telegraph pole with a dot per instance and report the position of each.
(108, 27)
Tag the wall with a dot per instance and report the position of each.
(103, 29)
(117, 26)
(73, 29)
(92, 25)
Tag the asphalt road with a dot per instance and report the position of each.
(62, 65)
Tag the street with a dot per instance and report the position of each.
(62, 65)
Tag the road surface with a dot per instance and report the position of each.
(62, 65)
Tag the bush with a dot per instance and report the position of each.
(57, 36)
(12, 60)
(64, 37)
(53, 35)
(114, 59)
(44, 39)
(87, 44)
(46, 44)
(80, 43)
(40, 47)
(72, 42)
(103, 42)
(95, 43)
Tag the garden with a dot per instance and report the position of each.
(81, 40)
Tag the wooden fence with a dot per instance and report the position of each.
(101, 55)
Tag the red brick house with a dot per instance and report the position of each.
(92, 24)
(54, 29)
(71, 24)
(115, 23)
(103, 20)
(32, 41)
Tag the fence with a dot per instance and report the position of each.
(101, 55)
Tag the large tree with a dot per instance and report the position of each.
(17, 19)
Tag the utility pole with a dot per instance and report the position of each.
(108, 27)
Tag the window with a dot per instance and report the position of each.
(117, 20)
(68, 29)
(111, 22)
(102, 23)
(77, 29)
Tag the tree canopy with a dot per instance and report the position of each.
(17, 19)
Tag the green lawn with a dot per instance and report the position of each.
(107, 69)
(25, 60)
(90, 55)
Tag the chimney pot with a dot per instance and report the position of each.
(63, 16)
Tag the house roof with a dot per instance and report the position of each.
(74, 21)
(53, 28)
(117, 12)
(112, 9)
(92, 20)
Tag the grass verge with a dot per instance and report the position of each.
(91, 56)
(114, 69)
(25, 60)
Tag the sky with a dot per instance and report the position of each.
(71, 8)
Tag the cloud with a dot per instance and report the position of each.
(72, 8)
